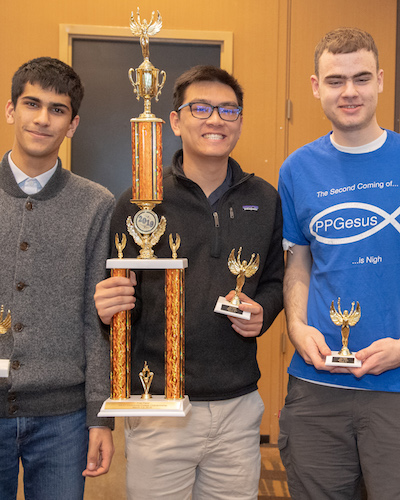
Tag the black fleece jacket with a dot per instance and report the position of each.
(220, 364)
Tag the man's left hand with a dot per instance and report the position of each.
(101, 450)
(251, 327)
(380, 356)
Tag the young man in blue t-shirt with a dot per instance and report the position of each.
(340, 197)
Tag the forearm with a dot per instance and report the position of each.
(296, 284)
(295, 294)
(308, 341)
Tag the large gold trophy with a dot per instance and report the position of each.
(146, 229)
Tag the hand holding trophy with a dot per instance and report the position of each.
(242, 270)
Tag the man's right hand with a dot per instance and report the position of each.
(310, 344)
(114, 295)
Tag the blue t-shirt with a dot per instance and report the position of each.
(346, 207)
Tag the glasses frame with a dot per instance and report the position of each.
(190, 104)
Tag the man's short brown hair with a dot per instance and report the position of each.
(345, 41)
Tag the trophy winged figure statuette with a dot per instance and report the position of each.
(242, 270)
(345, 319)
(6, 322)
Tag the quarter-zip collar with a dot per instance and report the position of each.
(238, 177)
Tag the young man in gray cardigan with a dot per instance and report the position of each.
(54, 241)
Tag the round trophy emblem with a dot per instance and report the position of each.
(145, 221)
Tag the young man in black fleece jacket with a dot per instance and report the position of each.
(214, 206)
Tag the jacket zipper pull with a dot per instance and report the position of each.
(231, 213)
(216, 219)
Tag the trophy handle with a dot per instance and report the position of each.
(161, 85)
(135, 85)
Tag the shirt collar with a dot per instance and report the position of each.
(365, 148)
(20, 176)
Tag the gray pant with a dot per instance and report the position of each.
(330, 438)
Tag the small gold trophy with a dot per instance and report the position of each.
(6, 322)
(146, 229)
(345, 319)
(5, 325)
(146, 377)
(242, 270)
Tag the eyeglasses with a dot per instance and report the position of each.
(202, 111)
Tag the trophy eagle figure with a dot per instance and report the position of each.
(146, 241)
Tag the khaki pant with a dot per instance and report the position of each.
(212, 453)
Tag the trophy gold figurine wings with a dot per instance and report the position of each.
(6, 322)
(241, 269)
(345, 319)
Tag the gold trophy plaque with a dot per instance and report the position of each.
(146, 229)
(5, 325)
(345, 319)
(241, 269)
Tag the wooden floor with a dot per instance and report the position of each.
(273, 485)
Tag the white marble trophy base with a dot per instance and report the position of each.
(135, 406)
(223, 306)
(337, 359)
(147, 263)
(4, 367)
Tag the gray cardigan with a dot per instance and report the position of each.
(53, 247)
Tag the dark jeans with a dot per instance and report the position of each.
(53, 454)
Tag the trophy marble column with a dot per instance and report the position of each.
(174, 333)
(120, 349)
